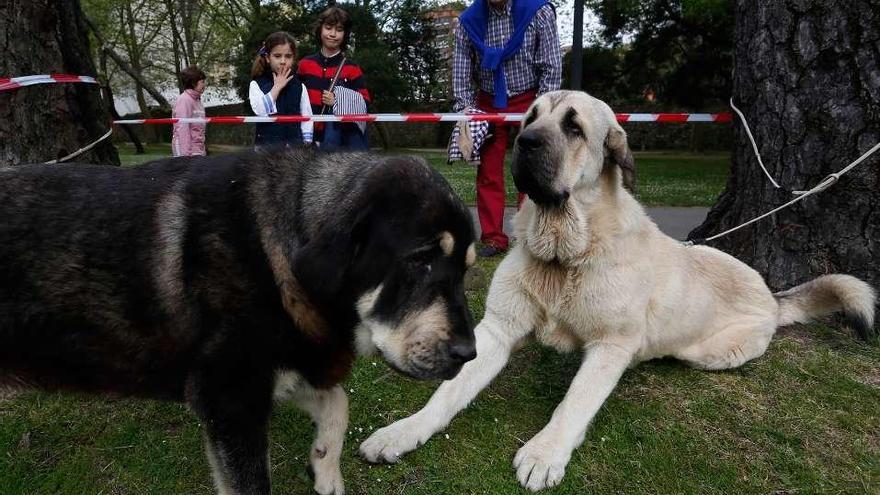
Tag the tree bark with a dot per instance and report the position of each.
(135, 49)
(807, 76)
(47, 121)
(111, 107)
(175, 41)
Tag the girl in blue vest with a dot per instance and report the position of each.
(276, 90)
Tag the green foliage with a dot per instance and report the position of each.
(391, 41)
(680, 49)
(602, 73)
(410, 38)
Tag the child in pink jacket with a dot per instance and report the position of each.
(189, 139)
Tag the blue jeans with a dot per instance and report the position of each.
(343, 136)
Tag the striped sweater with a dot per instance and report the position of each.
(316, 72)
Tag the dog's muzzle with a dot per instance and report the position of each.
(534, 169)
(445, 361)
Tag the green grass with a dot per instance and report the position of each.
(801, 419)
(664, 178)
(680, 179)
(151, 152)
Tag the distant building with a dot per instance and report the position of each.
(444, 20)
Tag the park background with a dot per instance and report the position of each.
(801, 419)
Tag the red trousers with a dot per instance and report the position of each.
(490, 174)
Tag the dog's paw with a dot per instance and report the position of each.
(328, 478)
(540, 464)
(389, 443)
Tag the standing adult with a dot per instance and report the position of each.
(188, 139)
(506, 55)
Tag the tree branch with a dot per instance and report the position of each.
(122, 64)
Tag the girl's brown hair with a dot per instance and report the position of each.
(334, 16)
(261, 62)
(191, 76)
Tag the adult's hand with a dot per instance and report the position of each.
(328, 98)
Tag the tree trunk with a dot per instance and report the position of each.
(111, 107)
(47, 121)
(187, 13)
(134, 57)
(807, 77)
(175, 42)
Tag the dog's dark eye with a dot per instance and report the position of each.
(570, 124)
(531, 117)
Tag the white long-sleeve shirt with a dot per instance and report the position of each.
(264, 105)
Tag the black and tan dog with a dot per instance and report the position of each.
(225, 281)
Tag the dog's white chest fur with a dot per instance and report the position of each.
(554, 235)
(554, 289)
(559, 272)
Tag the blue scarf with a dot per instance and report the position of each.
(475, 21)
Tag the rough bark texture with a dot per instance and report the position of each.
(807, 76)
(47, 121)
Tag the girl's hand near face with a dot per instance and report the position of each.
(280, 80)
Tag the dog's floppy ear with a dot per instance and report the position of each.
(618, 153)
(324, 260)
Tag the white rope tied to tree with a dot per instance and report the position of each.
(81, 150)
(827, 182)
(754, 145)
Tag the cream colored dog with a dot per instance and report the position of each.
(591, 272)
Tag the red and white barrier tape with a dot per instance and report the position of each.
(427, 117)
(8, 84)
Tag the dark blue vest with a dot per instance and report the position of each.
(287, 104)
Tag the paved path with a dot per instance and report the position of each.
(675, 221)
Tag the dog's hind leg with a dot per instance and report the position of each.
(730, 347)
(502, 328)
(329, 410)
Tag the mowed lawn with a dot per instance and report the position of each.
(663, 178)
(801, 419)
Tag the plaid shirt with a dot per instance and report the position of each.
(537, 64)
(478, 131)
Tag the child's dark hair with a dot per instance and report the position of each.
(261, 62)
(191, 76)
(334, 16)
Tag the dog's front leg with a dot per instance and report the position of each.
(541, 462)
(329, 410)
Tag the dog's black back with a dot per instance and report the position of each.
(79, 301)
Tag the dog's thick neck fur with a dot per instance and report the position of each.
(569, 235)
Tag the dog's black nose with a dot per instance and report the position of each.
(462, 350)
(529, 141)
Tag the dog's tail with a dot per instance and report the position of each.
(828, 294)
